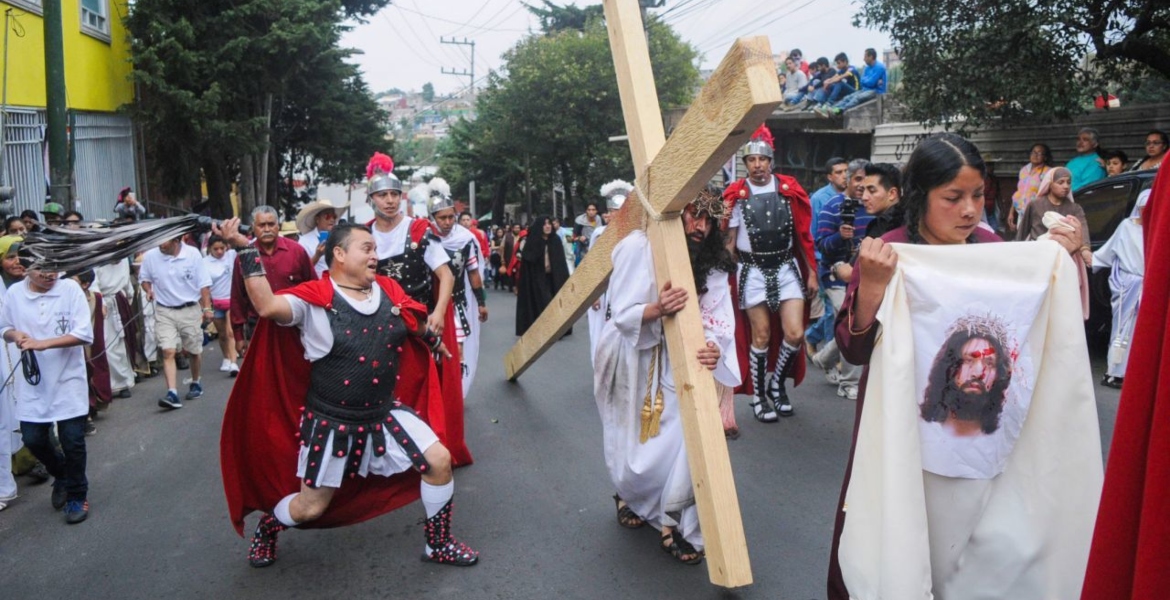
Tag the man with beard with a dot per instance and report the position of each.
(468, 297)
(968, 382)
(285, 265)
(643, 440)
(769, 233)
(409, 255)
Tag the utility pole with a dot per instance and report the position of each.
(463, 73)
(59, 172)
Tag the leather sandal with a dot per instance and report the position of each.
(676, 545)
(626, 517)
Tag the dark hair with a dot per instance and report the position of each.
(86, 277)
(1161, 134)
(594, 204)
(215, 239)
(339, 238)
(935, 162)
(8, 222)
(466, 213)
(870, 52)
(122, 194)
(824, 62)
(29, 214)
(841, 57)
(72, 213)
(832, 162)
(1118, 154)
(888, 175)
(712, 253)
(941, 391)
(1047, 152)
(796, 52)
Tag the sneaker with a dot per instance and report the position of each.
(90, 428)
(171, 400)
(195, 391)
(849, 392)
(58, 497)
(76, 511)
(833, 377)
(39, 473)
(235, 370)
(124, 393)
(225, 366)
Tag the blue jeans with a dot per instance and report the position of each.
(793, 98)
(818, 95)
(855, 99)
(66, 466)
(838, 91)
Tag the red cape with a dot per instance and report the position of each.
(258, 443)
(1130, 555)
(805, 259)
(450, 369)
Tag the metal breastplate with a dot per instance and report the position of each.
(354, 383)
(768, 219)
(411, 271)
(458, 265)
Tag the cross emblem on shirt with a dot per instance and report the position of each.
(62, 325)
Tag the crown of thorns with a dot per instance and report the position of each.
(987, 326)
(711, 203)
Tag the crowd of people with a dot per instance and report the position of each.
(355, 346)
(828, 89)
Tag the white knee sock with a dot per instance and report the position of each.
(281, 511)
(435, 497)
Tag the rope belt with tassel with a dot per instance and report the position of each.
(652, 410)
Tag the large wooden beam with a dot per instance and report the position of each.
(738, 97)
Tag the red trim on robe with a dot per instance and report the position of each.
(1130, 555)
(259, 444)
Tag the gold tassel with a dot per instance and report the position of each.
(652, 412)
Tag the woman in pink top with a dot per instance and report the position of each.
(1039, 162)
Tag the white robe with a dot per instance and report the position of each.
(111, 279)
(596, 316)
(653, 478)
(1024, 532)
(455, 241)
(10, 441)
(1124, 255)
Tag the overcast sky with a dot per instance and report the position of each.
(401, 46)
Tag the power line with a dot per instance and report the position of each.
(447, 51)
(719, 38)
(414, 50)
(481, 7)
(441, 19)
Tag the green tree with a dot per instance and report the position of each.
(428, 92)
(975, 60)
(553, 107)
(233, 89)
(555, 18)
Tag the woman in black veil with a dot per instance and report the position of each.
(542, 272)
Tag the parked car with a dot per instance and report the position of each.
(1107, 202)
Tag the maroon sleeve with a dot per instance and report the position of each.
(308, 273)
(241, 304)
(855, 347)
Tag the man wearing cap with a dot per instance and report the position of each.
(285, 265)
(468, 297)
(769, 233)
(52, 213)
(174, 277)
(314, 223)
(407, 255)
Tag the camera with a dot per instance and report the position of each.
(849, 211)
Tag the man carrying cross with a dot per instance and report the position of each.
(645, 449)
(769, 232)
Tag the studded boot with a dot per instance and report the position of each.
(762, 405)
(776, 391)
(445, 549)
(263, 550)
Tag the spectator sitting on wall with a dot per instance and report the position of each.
(794, 82)
(1156, 144)
(1086, 167)
(846, 81)
(816, 91)
(873, 84)
(128, 208)
(1115, 162)
(798, 57)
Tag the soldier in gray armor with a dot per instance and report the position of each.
(468, 296)
(354, 326)
(769, 234)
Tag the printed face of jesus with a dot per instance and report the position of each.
(976, 374)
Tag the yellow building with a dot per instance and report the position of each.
(97, 85)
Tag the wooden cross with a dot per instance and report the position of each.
(739, 96)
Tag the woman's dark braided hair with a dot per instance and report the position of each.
(935, 162)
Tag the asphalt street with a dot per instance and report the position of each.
(536, 503)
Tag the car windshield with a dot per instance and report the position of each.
(1106, 204)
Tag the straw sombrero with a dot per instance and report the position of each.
(307, 218)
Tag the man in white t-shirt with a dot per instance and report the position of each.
(51, 388)
(174, 277)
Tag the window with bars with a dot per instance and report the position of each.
(95, 17)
